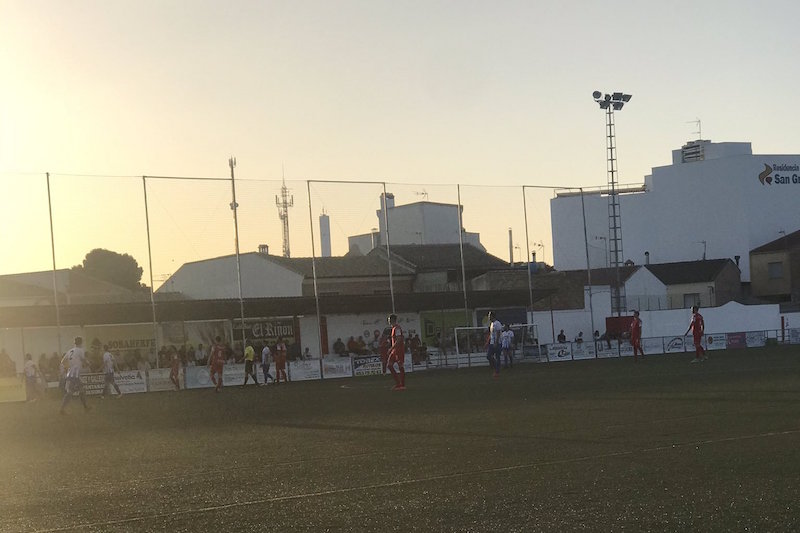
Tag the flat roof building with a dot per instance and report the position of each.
(716, 200)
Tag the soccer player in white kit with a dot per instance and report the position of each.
(74, 360)
(493, 344)
(108, 370)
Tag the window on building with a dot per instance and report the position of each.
(691, 299)
(775, 270)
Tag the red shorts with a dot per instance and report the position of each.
(400, 358)
(280, 362)
(216, 369)
(698, 340)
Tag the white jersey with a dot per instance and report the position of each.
(108, 363)
(495, 328)
(265, 353)
(507, 339)
(74, 359)
(30, 369)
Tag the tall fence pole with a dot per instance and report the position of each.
(234, 207)
(463, 269)
(314, 274)
(150, 262)
(588, 266)
(527, 251)
(53, 253)
(388, 250)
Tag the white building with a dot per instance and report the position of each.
(716, 200)
(415, 223)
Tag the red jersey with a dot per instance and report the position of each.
(636, 328)
(398, 344)
(383, 343)
(696, 325)
(217, 357)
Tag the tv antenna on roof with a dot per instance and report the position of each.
(422, 193)
(699, 131)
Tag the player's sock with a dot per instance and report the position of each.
(394, 375)
(402, 377)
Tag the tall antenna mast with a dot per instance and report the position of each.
(699, 131)
(284, 202)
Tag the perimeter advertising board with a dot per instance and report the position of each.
(736, 341)
(559, 351)
(583, 350)
(653, 346)
(129, 382)
(12, 389)
(756, 339)
(197, 377)
(305, 370)
(674, 344)
(158, 380)
(367, 365)
(266, 331)
(129, 343)
(717, 341)
(337, 367)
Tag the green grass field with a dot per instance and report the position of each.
(606, 445)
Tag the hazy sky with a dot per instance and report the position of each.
(426, 93)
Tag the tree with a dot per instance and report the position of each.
(119, 269)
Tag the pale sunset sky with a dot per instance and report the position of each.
(423, 95)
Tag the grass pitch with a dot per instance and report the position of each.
(601, 445)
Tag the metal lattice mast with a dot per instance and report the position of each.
(610, 103)
(284, 202)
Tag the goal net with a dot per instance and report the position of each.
(469, 347)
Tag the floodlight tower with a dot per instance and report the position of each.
(284, 202)
(610, 103)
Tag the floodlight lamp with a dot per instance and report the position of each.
(617, 105)
(597, 95)
(603, 104)
(626, 97)
(617, 97)
(607, 98)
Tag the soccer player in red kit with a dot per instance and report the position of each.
(636, 335)
(383, 348)
(174, 371)
(280, 362)
(697, 327)
(216, 360)
(397, 354)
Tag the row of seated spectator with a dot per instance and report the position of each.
(414, 346)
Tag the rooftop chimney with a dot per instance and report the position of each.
(263, 249)
(647, 258)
